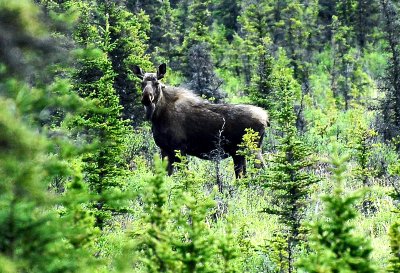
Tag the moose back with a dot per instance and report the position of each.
(194, 126)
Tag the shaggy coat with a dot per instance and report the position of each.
(185, 122)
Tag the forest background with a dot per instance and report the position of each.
(83, 190)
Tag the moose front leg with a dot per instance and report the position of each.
(172, 158)
(239, 163)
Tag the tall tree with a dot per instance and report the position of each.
(298, 24)
(200, 73)
(227, 12)
(161, 20)
(104, 167)
(367, 19)
(391, 104)
(35, 236)
(256, 47)
(288, 178)
(198, 65)
(200, 20)
(176, 237)
(128, 38)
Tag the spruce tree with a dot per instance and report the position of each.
(105, 168)
(255, 39)
(198, 66)
(342, 62)
(394, 234)
(298, 20)
(335, 246)
(199, 24)
(155, 240)
(288, 178)
(40, 231)
(127, 39)
(200, 73)
(362, 145)
(390, 108)
(162, 24)
(227, 12)
(361, 16)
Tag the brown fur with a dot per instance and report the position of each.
(183, 121)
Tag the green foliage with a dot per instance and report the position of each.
(249, 149)
(155, 239)
(255, 42)
(42, 231)
(362, 142)
(199, 17)
(335, 246)
(104, 166)
(178, 236)
(394, 231)
(394, 234)
(288, 177)
(127, 34)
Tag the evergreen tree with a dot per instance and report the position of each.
(176, 237)
(287, 177)
(195, 246)
(367, 19)
(360, 16)
(336, 248)
(342, 61)
(127, 39)
(105, 167)
(227, 12)
(362, 144)
(349, 82)
(167, 48)
(155, 241)
(197, 64)
(256, 42)
(161, 21)
(262, 81)
(34, 237)
(394, 234)
(391, 104)
(325, 13)
(200, 73)
(199, 17)
(40, 231)
(298, 22)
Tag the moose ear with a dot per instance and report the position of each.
(137, 71)
(162, 69)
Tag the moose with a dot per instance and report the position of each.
(194, 126)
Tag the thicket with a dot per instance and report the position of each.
(83, 190)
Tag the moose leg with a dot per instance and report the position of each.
(239, 163)
(170, 158)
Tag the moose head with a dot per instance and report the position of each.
(151, 87)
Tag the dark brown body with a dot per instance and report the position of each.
(183, 121)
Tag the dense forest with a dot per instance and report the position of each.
(83, 187)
